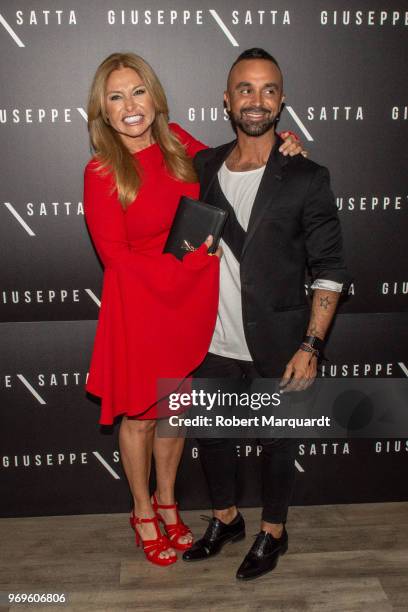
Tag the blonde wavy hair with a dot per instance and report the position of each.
(109, 149)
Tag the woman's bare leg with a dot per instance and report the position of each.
(167, 454)
(136, 444)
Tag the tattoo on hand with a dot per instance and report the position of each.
(324, 302)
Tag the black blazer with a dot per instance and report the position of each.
(293, 226)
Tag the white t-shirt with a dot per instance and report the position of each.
(240, 189)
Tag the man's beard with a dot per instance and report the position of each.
(254, 128)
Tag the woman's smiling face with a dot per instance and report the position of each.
(129, 108)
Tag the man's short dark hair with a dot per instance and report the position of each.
(254, 53)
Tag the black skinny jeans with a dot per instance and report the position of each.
(219, 459)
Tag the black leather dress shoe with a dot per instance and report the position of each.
(263, 555)
(216, 535)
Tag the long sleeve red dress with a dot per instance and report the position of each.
(157, 313)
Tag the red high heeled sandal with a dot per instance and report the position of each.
(175, 530)
(153, 548)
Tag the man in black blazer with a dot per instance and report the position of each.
(282, 221)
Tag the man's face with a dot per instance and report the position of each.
(254, 96)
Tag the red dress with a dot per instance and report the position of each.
(157, 314)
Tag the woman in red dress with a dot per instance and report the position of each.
(157, 314)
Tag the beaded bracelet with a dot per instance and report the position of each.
(309, 349)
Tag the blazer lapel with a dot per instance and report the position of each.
(211, 168)
(268, 191)
(233, 234)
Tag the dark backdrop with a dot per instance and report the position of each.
(346, 99)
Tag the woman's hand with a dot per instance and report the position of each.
(218, 253)
(291, 145)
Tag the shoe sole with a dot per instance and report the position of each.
(236, 538)
(270, 569)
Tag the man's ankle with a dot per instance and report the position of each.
(227, 515)
(275, 529)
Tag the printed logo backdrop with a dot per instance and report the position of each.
(347, 101)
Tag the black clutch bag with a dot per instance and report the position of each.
(193, 222)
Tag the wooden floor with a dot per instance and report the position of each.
(341, 559)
